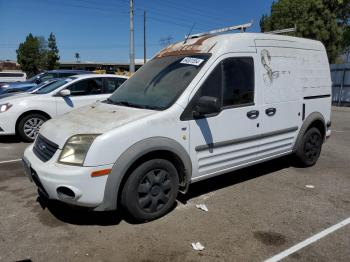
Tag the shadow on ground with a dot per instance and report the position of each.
(79, 216)
(11, 139)
(236, 177)
(82, 216)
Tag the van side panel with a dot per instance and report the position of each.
(315, 79)
(282, 97)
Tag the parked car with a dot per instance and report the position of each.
(202, 107)
(35, 80)
(25, 113)
(30, 90)
(12, 76)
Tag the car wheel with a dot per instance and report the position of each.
(310, 147)
(151, 190)
(29, 125)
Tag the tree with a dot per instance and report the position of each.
(77, 56)
(322, 20)
(28, 55)
(52, 55)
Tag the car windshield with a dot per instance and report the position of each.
(159, 83)
(53, 86)
(43, 84)
(35, 77)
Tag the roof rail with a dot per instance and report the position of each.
(242, 27)
(283, 31)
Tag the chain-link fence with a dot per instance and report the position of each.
(341, 84)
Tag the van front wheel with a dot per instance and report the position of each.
(310, 147)
(151, 190)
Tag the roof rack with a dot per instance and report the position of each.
(283, 31)
(242, 27)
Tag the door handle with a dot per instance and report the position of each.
(254, 114)
(270, 111)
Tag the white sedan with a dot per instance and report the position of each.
(24, 114)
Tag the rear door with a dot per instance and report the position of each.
(220, 142)
(83, 92)
(282, 107)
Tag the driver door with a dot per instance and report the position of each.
(84, 92)
(225, 140)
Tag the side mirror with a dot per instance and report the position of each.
(37, 80)
(64, 93)
(206, 105)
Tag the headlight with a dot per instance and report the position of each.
(75, 149)
(5, 107)
(5, 86)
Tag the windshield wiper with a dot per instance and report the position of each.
(108, 101)
(125, 103)
(128, 104)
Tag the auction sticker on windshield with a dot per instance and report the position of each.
(192, 61)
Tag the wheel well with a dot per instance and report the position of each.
(159, 154)
(319, 125)
(31, 112)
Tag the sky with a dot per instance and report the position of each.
(99, 29)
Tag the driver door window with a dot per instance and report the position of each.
(232, 82)
(86, 87)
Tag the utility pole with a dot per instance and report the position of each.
(144, 38)
(132, 45)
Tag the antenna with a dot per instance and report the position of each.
(187, 36)
(283, 31)
(242, 27)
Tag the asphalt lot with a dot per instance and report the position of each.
(253, 215)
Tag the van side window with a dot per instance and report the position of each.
(86, 87)
(237, 81)
(212, 85)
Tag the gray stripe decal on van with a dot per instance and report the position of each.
(245, 139)
(316, 97)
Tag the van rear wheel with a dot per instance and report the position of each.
(151, 190)
(309, 149)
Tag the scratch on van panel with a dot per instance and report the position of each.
(270, 75)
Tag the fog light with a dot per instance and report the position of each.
(65, 193)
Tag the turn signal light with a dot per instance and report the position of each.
(102, 172)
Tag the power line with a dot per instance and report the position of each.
(185, 11)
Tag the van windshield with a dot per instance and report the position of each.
(159, 83)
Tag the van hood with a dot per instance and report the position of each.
(97, 118)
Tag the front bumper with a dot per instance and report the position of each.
(50, 176)
(7, 123)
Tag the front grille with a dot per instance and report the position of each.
(44, 149)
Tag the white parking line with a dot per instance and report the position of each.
(308, 241)
(10, 161)
(339, 131)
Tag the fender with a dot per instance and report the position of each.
(306, 124)
(132, 154)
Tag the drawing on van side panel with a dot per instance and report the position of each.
(270, 75)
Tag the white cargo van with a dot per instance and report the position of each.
(200, 108)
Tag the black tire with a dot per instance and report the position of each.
(29, 122)
(151, 190)
(309, 149)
